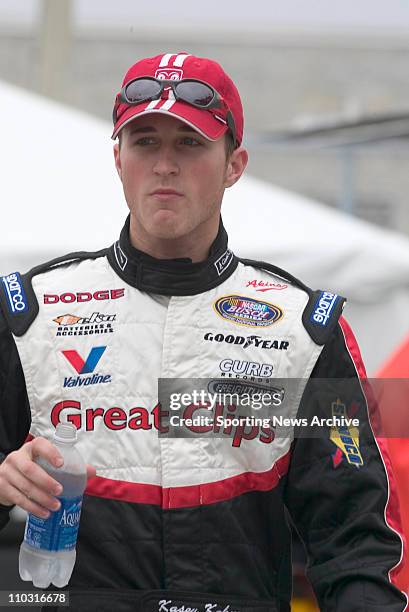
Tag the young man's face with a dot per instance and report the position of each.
(173, 178)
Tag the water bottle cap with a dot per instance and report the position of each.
(66, 432)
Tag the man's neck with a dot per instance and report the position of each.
(194, 246)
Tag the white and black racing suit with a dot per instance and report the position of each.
(200, 523)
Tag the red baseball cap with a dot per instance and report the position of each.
(176, 66)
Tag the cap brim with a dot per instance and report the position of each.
(202, 121)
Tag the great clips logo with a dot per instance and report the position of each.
(86, 366)
(138, 418)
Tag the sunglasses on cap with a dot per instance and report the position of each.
(193, 92)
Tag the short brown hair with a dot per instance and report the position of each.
(229, 144)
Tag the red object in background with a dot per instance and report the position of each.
(397, 366)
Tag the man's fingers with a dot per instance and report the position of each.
(40, 447)
(20, 473)
(32, 490)
(27, 484)
(27, 504)
(35, 473)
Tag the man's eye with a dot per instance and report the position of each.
(145, 140)
(188, 140)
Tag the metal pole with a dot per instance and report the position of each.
(347, 191)
(55, 45)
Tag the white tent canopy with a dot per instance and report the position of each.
(60, 193)
(321, 245)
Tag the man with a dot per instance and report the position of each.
(199, 523)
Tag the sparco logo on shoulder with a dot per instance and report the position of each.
(83, 296)
(323, 307)
(247, 311)
(16, 298)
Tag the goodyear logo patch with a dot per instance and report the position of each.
(323, 308)
(16, 297)
(247, 311)
(346, 439)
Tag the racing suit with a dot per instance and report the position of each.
(199, 522)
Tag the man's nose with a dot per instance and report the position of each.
(166, 162)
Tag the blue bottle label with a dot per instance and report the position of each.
(59, 531)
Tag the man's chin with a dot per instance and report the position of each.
(167, 225)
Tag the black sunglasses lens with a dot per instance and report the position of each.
(142, 89)
(194, 93)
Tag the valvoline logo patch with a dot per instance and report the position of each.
(247, 311)
(91, 362)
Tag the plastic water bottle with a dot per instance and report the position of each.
(47, 553)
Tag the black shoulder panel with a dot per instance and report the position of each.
(321, 314)
(323, 309)
(17, 298)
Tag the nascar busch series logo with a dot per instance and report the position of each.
(139, 418)
(247, 341)
(247, 311)
(16, 297)
(85, 367)
(83, 296)
(97, 323)
(260, 285)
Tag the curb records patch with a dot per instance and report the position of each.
(247, 311)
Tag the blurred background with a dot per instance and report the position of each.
(325, 90)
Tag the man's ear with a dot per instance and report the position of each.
(236, 166)
(117, 157)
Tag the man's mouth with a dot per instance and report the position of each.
(166, 193)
